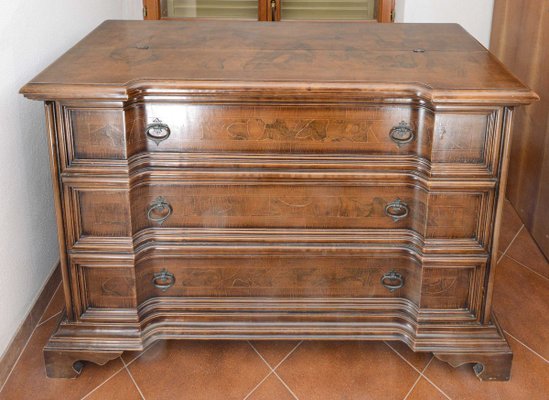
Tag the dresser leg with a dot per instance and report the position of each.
(487, 367)
(69, 364)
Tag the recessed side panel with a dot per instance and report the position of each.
(452, 286)
(103, 288)
(109, 288)
(460, 215)
(98, 215)
(104, 213)
(95, 133)
(466, 142)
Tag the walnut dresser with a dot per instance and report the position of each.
(247, 180)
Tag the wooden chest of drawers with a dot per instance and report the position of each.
(230, 180)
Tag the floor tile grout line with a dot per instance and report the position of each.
(436, 387)
(401, 356)
(260, 356)
(528, 347)
(258, 385)
(18, 358)
(430, 381)
(273, 370)
(420, 376)
(527, 267)
(285, 385)
(511, 242)
(288, 355)
(102, 383)
(421, 373)
(413, 387)
(40, 322)
(133, 379)
(427, 365)
(49, 319)
(139, 356)
(281, 361)
(29, 339)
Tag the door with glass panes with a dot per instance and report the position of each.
(271, 10)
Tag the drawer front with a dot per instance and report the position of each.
(278, 277)
(278, 206)
(467, 138)
(107, 285)
(110, 217)
(278, 129)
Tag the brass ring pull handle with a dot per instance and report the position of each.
(163, 280)
(392, 281)
(402, 134)
(397, 210)
(157, 131)
(159, 210)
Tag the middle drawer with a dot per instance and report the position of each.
(101, 214)
(278, 206)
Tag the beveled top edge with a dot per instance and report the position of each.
(281, 91)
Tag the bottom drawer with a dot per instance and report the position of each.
(284, 277)
(102, 286)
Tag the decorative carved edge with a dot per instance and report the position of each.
(69, 363)
(278, 91)
(73, 343)
(487, 367)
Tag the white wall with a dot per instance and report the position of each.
(33, 33)
(474, 15)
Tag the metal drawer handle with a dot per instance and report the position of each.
(163, 280)
(159, 210)
(402, 133)
(397, 210)
(157, 131)
(392, 281)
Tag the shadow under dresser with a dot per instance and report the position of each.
(245, 180)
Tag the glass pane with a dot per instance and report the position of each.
(241, 9)
(324, 9)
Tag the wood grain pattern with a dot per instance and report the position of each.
(278, 129)
(96, 134)
(222, 55)
(519, 36)
(278, 277)
(259, 209)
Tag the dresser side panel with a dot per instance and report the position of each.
(54, 131)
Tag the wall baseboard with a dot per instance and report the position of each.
(11, 355)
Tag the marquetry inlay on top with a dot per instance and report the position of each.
(431, 60)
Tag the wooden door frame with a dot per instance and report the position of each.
(385, 10)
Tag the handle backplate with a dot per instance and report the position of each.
(159, 210)
(163, 280)
(397, 210)
(402, 133)
(157, 131)
(392, 281)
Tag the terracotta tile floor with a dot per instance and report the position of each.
(317, 370)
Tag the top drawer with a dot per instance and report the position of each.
(278, 129)
(444, 138)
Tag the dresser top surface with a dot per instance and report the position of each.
(438, 60)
